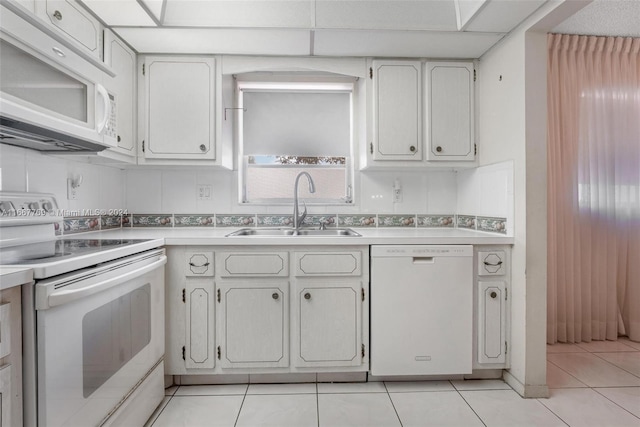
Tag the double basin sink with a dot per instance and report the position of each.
(282, 232)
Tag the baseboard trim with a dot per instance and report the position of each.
(526, 391)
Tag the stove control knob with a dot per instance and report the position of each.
(6, 208)
(47, 206)
(34, 205)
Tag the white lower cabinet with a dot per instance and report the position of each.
(329, 323)
(254, 324)
(492, 307)
(259, 313)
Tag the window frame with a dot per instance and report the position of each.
(289, 83)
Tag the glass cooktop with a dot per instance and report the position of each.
(56, 250)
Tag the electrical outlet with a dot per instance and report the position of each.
(72, 191)
(205, 192)
(397, 195)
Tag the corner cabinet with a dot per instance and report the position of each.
(122, 60)
(397, 110)
(449, 115)
(179, 111)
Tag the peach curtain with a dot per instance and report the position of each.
(593, 139)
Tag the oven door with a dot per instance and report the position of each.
(100, 332)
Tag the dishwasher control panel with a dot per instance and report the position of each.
(421, 250)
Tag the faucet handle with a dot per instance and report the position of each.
(303, 215)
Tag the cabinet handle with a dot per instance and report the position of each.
(203, 147)
(275, 295)
(493, 294)
(307, 296)
(57, 15)
(206, 264)
(412, 148)
(439, 149)
(493, 265)
(119, 139)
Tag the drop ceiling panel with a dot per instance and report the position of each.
(240, 13)
(154, 6)
(503, 15)
(466, 9)
(217, 41)
(403, 43)
(126, 12)
(385, 14)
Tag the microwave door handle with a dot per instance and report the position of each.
(101, 122)
(66, 296)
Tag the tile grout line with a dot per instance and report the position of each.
(392, 404)
(568, 373)
(549, 409)
(613, 364)
(317, 401)
(241, 405)
(615, 403)
(468, 404)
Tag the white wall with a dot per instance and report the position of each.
(174, 191)
(513, 126)
(29, 170)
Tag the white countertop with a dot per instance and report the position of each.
(374, 236)
(15, 276)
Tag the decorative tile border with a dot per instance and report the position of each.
(436, 221)
(357, 220)
(194, 220)
(111, 221)
(275, 220)
(79, 224)
(231, 220)
(492, 224)
(396, 220)
(466, 221)
(155, 220)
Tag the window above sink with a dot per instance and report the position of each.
(290, 124)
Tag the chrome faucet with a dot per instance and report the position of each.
(299, 219)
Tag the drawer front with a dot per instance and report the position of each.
(253, 264)
(347, 263)
(198, 264)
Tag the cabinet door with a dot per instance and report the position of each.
(74, 21)
(200, 326)
(492, 322)
(123, 62)
(449, 113)
(329, 323)
(254, 324)
(397, 110)
(180, 108)
(6, 399)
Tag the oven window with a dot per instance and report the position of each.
(112, 335)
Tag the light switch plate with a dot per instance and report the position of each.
(72, 192)
(205, 192)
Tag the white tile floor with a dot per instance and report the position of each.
(595, 384)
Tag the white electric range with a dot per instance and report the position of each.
(93, 322)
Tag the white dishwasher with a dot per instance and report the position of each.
(421, 309)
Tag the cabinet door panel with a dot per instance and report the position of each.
(123, 61)
(254, 325)
(78, 24)
(199, 300)
(491, 322)
(397, 110)
(180, 108)
(450, 120)
(330, 324)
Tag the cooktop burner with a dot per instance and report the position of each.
(55, 250)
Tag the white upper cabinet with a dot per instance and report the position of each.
(397, 110)
(70, 18)
(179, 107)
(449, 125)
(123, 87)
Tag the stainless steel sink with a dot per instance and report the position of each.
(276, 232)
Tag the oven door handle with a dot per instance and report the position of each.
(66, 296)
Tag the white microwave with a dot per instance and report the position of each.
(50, 93)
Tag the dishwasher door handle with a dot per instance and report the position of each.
(423, 260)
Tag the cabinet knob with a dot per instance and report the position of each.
(275, 295)
(119, 139)
(307, 296)
(58, 15)
(493, 294)
(203, 147)
(412, 148)
(439, 149)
